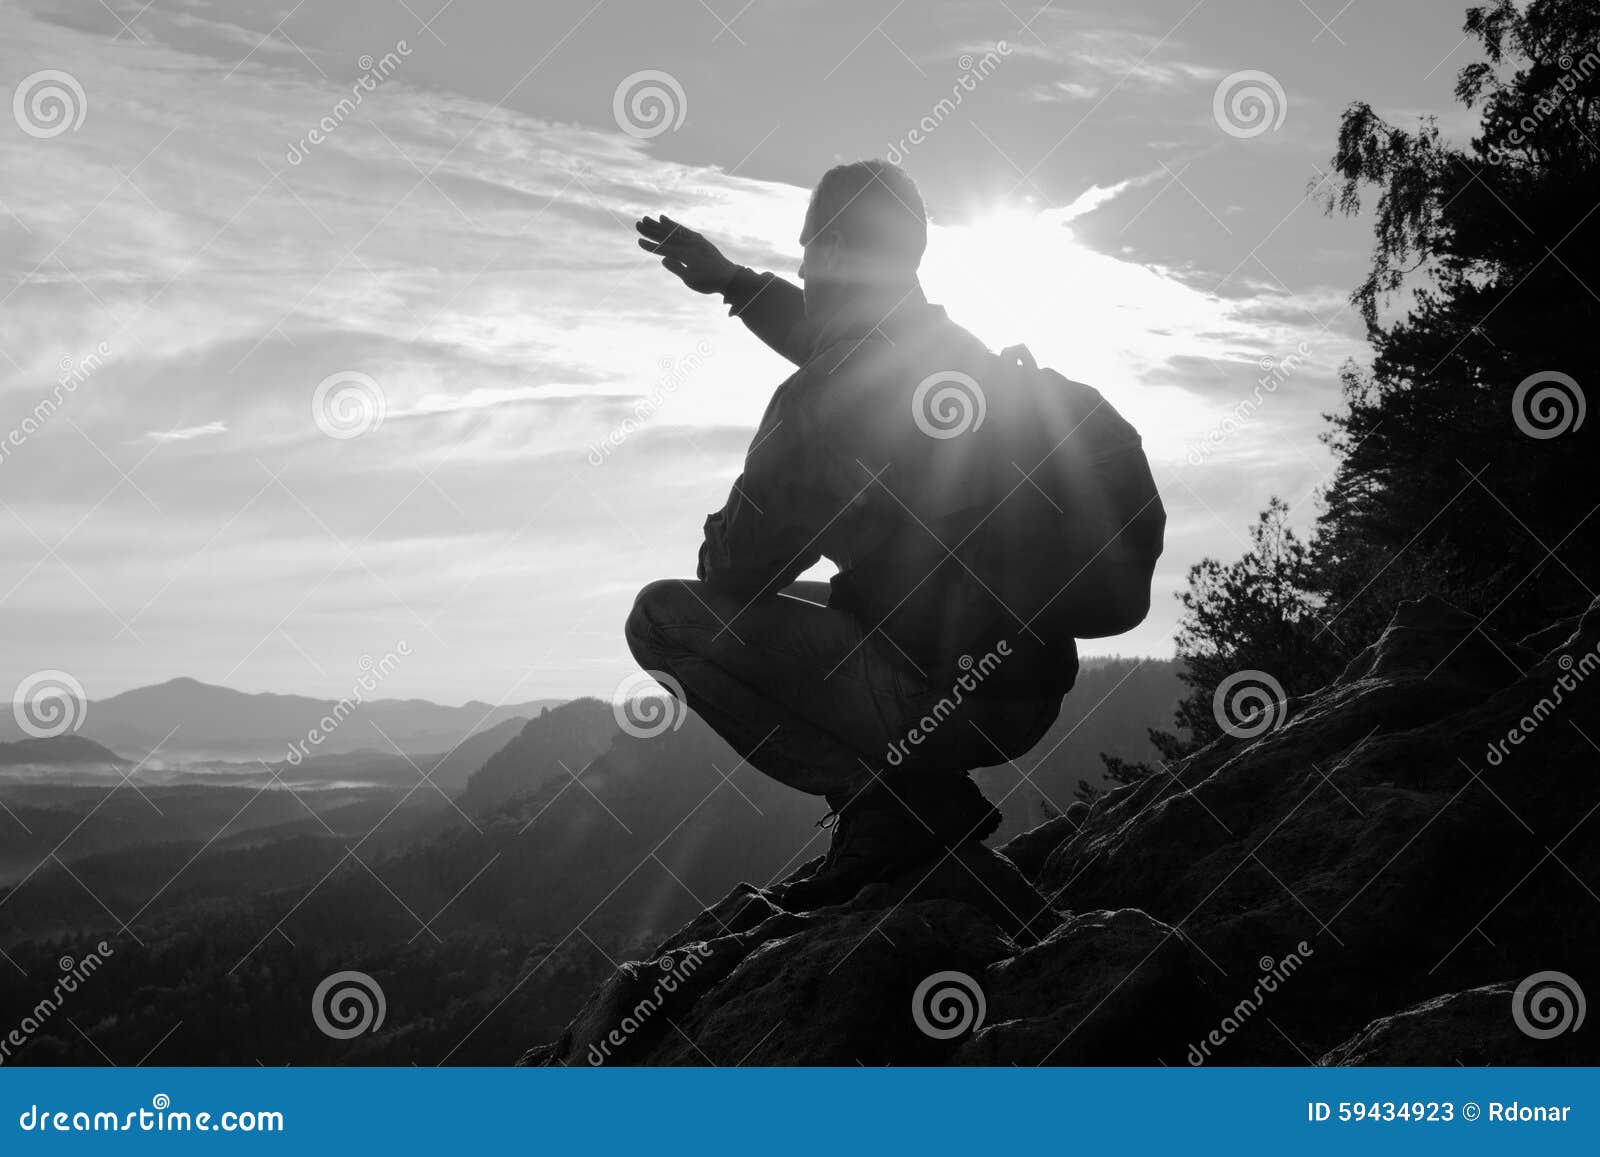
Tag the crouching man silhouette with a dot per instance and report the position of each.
(882, 690)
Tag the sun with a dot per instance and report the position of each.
(999, 274)
(1013, 274)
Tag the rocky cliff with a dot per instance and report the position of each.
(1403, 867)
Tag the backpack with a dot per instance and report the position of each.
(1018, 511)
(1083, 555)
(1042, 494)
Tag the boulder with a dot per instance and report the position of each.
(1103, 988)
(1476, 1027)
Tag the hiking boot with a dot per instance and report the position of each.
(952, 810)
(888, 828)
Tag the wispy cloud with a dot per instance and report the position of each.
(187, 433)
(1063, 91)
(1093, 197)
(1096, 55)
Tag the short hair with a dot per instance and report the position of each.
(875, 206)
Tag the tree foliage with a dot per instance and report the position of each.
(1452, 475)
(1463, 461)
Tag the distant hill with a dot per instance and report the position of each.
(448, 770)
(571, 735)
(189, 719)
(59, 751)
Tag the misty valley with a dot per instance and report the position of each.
(488, 877)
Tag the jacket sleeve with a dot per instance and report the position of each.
(769, 531)
(773, 309)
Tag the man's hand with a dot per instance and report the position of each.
(695, 261)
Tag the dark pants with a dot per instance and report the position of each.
(810, 698)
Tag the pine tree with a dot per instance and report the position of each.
(1464, 465)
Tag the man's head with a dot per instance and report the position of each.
(864, 232)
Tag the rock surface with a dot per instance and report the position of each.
(1475, 1027)
(1405, 870)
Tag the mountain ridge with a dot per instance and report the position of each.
(58, 750)
(187, 718)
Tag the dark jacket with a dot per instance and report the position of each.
(835, 469)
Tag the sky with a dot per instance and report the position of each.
(289, 378)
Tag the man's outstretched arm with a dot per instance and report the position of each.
(772, 308)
